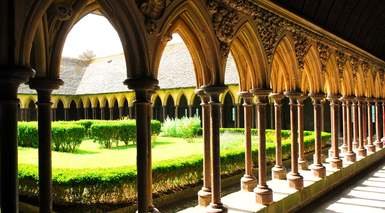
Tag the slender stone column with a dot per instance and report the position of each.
(355, 123)
(176, 111)
(248, 181)
(204, 195)
(190, 111)
(264, 195)
(86, 115)
(164, 113)
(361, 151)
(335, 160)
(349, 155)
(44, 89)
(278, 171)
(121, 112)
(144, 89)
(215, 114)
(66, 114)
(238, 113)
(365, 123)
(94, 113)
(302, 162)
(53, 114)
(10, 79)
(370, 146)
(294, 178)
(383, 121)
(344, 146)
(378, 142)
(317, 168)
(111, 113)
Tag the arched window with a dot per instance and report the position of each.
(183, 107)
(170, 107)
(158, 110)
(60, 111)
(228, 112)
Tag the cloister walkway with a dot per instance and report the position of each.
(365, 193)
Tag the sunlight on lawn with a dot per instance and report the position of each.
(91, 155)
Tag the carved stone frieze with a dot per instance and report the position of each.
(63, 12)
(224, 20)
(355, 63)
(270, 28)
(341, 61)
(301, 45)
(324, 54)
(152, 11)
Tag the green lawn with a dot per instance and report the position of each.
(91, 155)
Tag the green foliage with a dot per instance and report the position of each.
(66, 136)
(184, 127)
(168, 175)
(27, 134)
(269, 132)
(108, 132)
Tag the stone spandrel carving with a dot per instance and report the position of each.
(270, 28)
(224, 20)
(324, 54)
(152, 11)
(341, 61)
(354, 62)
(301, 45)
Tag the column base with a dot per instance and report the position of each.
(278, 172)
(295, 181)
(263, 195)
(350, 156)
(361, 152)
(303, 164)
(318, 170)
(379, 144)
(371, 148)
(344, 148)
(383, 140)
(216, 207)
(355, 145)
(204, 197)
(248, 183)
(336, 163)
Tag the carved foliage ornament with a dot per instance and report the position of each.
(270, 28)
(224, 20)
(301, 45)
(152, 10)
(341, 61)
(63, 12)
(324, 54)
(354, 62)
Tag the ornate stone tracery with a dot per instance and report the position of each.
(224, 20)
(301, 45)
(152, 10)
(324, 54)
(341, 61)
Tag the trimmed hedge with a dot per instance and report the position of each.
(66, 137)
(108, 132)
(118, 185)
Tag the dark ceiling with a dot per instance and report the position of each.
(361, 22)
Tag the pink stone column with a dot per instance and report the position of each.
(144, 88)
(349, 155)
(344, 146)
(204, 195)
(278, 171)
(264, 195)
(215, 121)
(317, 168)
(361, 151)
(294, 179)
(370, 146)
(335, 160)
(302, 162)
(378, 142)
(248, 181)
(355, 123)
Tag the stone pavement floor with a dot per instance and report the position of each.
(364, 194)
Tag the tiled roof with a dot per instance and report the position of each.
(106, 75)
